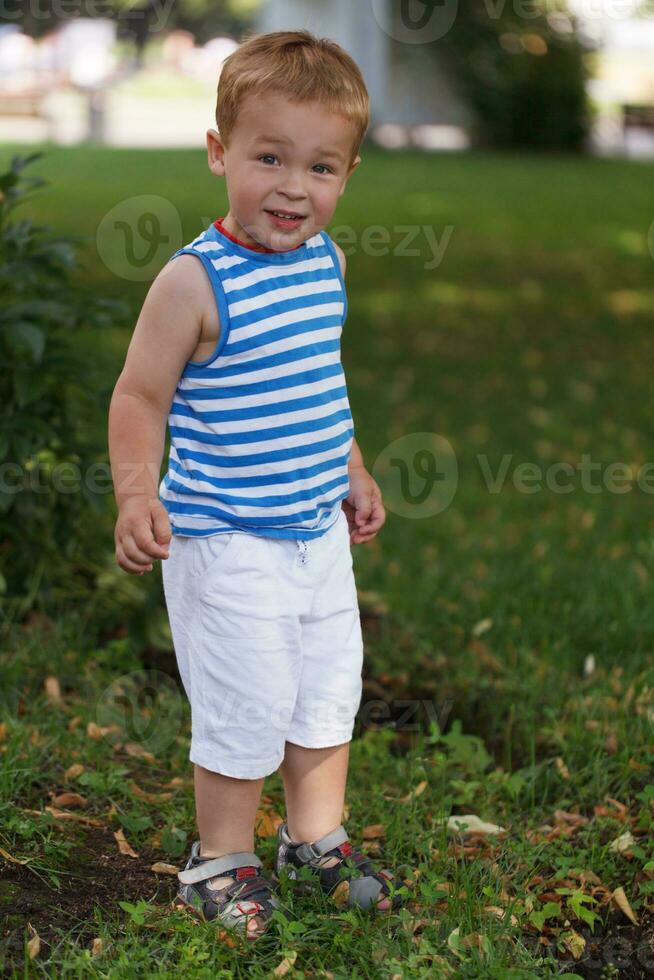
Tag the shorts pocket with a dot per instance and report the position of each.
(211, 551)
(241, 597)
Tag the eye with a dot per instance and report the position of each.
(328, 169)
(270, 156)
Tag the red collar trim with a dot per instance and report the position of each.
(253, 248)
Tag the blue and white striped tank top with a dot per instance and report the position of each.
(261, 431)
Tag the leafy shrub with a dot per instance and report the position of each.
(50, 394)
(522, 69)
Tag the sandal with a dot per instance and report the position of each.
(366, 887)
(251, 895)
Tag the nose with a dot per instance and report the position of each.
(292, 186)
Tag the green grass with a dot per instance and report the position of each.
(530, 342)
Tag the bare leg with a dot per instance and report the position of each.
(226, 810)
(314, 785)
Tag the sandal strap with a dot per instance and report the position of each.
(311, 852)
(256, 889)
(217, 866)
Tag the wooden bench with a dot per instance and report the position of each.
(638, 116)
(23, 103)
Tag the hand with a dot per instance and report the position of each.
(363, 506)
(142, 533)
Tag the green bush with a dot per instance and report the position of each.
(51, 393)
(523, 73)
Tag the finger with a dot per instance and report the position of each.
(147, 546)
(361, 538)
(134, 553)
(134, 568)
(377, 512)
(371, 525)
(365, 531)
(162, 531)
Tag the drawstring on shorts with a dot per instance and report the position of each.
(303, 548)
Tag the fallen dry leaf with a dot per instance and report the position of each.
(97, 733)
(267, 822)
(416, 926)
(138, 751)
(622, 843)
(416, 791)
(177, 783)
(97, 946)
(482, 627)
(611, 744)
(605, 811)
(149, 797)
(564, 772)
(622, 903)
(341, 893)
(66, 815)
(3, 731)
(373, 831)
(228, 938)
(52, 690)
(574, 819)
(161, 868)
(585, 876)
(73, 771)
(34, 944)
(574, 943)
(70, 799)
(474, 940)
(286, 964)
(454, 942)
(473, 825)
(500, 913)
(123, 844)
(9, 857)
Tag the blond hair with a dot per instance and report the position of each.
(297, 64)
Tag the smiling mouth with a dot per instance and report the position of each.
(285, 214)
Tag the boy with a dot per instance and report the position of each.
(238, 345)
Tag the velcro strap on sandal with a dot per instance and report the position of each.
(309, 852)
(217, 866)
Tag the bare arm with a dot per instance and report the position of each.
(356, 459)
(166, 335)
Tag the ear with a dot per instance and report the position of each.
(215, 153)
(355, 163)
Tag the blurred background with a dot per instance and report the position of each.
(499, 237)
(546, 74)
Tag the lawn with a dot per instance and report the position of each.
(499, 328)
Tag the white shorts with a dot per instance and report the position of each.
(268, 643)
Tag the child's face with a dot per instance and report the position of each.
(285, 156)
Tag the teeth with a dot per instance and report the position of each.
(281, 215)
